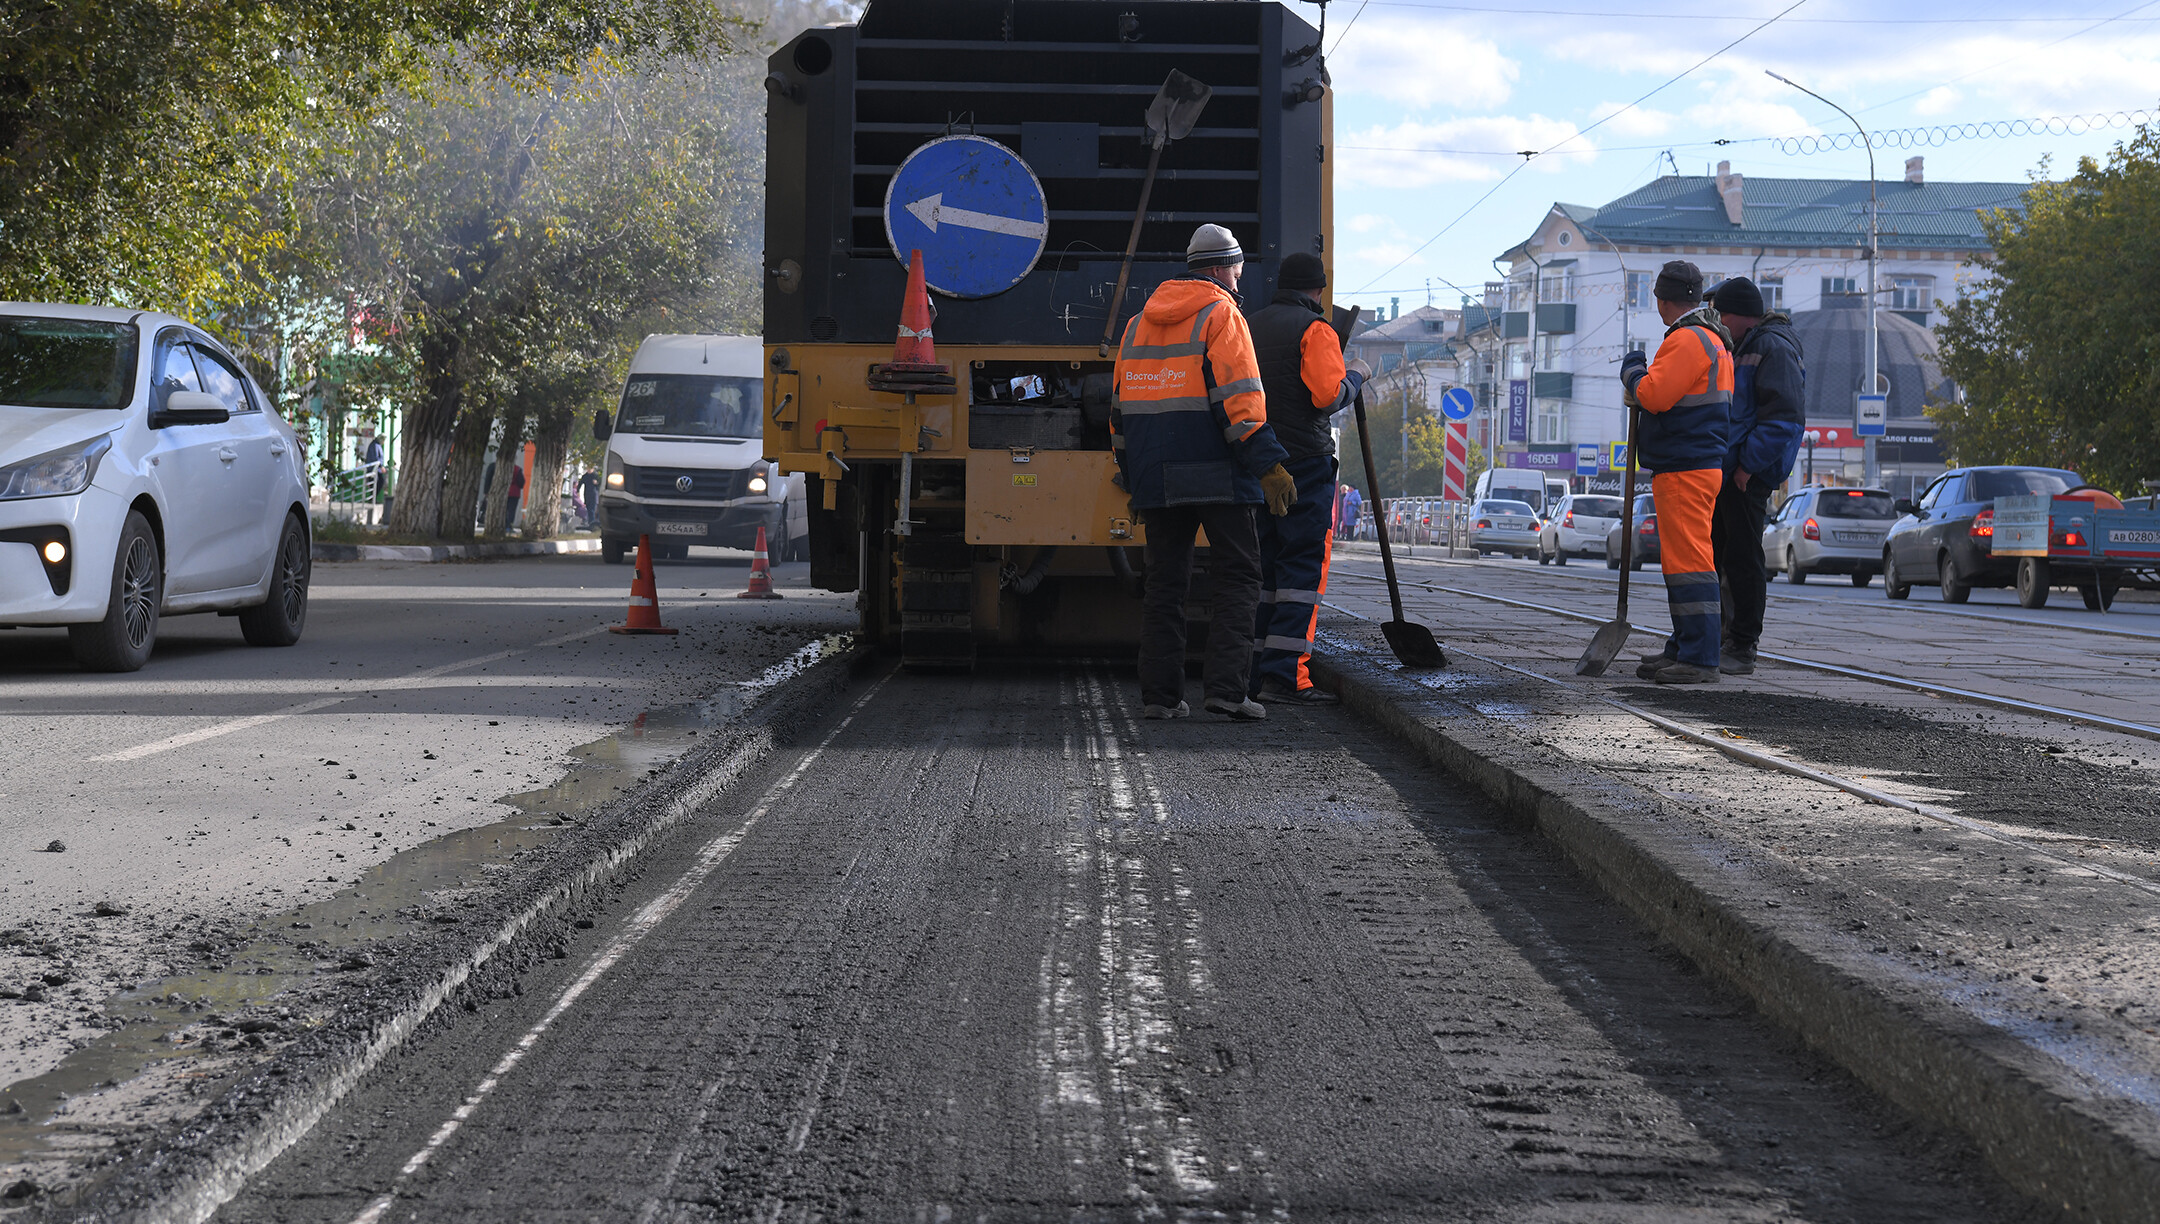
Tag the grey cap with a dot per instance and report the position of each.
(1212, 246)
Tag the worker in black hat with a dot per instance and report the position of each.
(1768, 389)
(1306, 382)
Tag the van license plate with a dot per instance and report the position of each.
(696, 529)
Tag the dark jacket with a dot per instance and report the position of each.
(1768, 407)
(1301, 371)
(1189, 426)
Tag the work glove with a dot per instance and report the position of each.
(1281, 489)
(1357, 366)
(1632, 368)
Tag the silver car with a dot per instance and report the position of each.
(1577, 527)
(1828, 530)
(1501, 526)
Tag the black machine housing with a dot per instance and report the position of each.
(1065, 83)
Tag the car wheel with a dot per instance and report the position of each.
(1954, 589)
(2032, 582)
(1892, 588)
(2099, 597)
(1612, 561)
(122, 641)
(611, 551)
(1559, 556)
(278, 620)
(1543, 558)
(1793, 573)
(1860, 578)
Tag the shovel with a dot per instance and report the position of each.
(1412, 643)
(1613, 634)
(1170, 116)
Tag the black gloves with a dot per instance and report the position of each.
(1633, 367)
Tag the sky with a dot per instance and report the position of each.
(1433, 101)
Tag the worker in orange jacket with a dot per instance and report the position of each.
(1190, 432)
(1685, 396)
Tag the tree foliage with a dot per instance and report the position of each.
(1386, 401)
(2059, 356)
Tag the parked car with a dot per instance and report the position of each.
(1577, 527)
(1503, 526)
(1945, 537)
(1822, 530)
(1646, 536)
(142, 475)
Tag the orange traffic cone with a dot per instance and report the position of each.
(644, 613)
(914, 367)
(760, 574)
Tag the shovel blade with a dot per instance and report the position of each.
(1413, 644)
(1604, 648)
(1176, 107)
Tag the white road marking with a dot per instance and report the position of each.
(641, 924)
(231, 725)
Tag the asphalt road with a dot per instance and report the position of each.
(993, 948)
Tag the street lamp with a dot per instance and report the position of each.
(1872, 379)
(1811, 437)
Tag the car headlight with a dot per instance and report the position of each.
(757, 483)
(55, 473)
(617, 471)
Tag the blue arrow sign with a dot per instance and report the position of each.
(974, 210)
(1457, 403)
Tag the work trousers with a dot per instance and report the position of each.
(1294, 552)
(1686, 502)
(1736, 528)
(1233, 573)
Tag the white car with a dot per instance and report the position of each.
(1577, 527)
(142, 474)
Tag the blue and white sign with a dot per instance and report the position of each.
(974, 210)
(1586, 458)
(1457, 403)
(1870, 414)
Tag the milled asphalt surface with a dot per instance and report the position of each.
(436, 721)
(1001, 950)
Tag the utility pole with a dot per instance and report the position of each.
(1871, 380)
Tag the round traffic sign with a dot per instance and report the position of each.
(974, 210)
(1457, 403)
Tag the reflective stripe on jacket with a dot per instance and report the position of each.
(1301, 370)
(1687, 399)
(1190, 423)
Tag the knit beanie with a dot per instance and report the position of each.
(1212, 246)
(1738, 296)
(1679, 281)
(1302, 270)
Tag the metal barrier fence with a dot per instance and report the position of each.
(1412, 521)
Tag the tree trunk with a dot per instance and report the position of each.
(426, 443)
(551, 444)
(495, 517)
(461, 488)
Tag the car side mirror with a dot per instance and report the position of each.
(1902, 505)
(602, 425)
(190, 408)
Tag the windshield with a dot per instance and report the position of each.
(691, 405)
(1989, 485)
(1598, 507)
(1855, 504)
(1505, 507)
(66, 363)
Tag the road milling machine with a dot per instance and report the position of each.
(1044, 163)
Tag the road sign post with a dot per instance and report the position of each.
(1456, 403)
(1870, 414)
(974, 210)
(1455, 474)
(1586, 459)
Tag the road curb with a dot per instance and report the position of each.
(2041, 1128)
(451, 552)
(190, 1173)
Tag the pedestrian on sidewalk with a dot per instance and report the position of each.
(1353, 505)
(1189, 431)
(1306, 383)
(1685, 396)
(514, 494)
(589, 496)
(1768, 382)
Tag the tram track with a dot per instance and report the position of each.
(1913, 684)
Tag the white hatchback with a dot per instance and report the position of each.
(142, 474)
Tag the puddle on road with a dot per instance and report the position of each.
(190, 1026)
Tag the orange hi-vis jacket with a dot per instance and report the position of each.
(1687, 396)
(1190, 423)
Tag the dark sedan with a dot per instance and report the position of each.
(1947, 537)
(1646, 537)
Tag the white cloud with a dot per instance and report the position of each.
(1477, 149)
(1366, 223)
(1938, 101)
(1639, 123)
(1422, 63)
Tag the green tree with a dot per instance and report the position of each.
(1385, 404)
(2059, 355)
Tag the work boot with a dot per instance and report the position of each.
(1651, 665)
(1180, 710)
(1272, 694)
(1685, 673)
(1247, 710)
(1737, 661)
